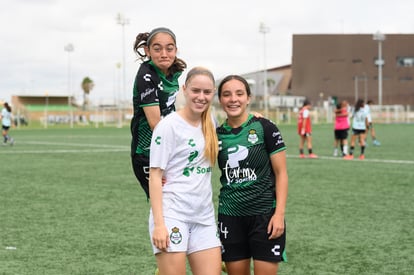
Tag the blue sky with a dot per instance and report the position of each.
(221, 35)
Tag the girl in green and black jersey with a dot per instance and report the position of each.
(254, 179)
(155, 89)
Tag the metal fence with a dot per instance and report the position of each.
(384, 114)
(120, 117)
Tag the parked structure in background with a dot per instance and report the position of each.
(52, 110)
(345, 66)
(279, 90)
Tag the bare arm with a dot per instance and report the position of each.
(341, 113)
(277, 223)
(160, 233)
(153, 115)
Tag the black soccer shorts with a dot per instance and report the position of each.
(247, 237)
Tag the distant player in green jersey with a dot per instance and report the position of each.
(254, 185)
(155, 89)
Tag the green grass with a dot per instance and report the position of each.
(69, 204)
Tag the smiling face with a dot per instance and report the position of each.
(199, 92)
(162, 51)
(234, 99)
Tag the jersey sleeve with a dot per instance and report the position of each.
(272, 137)
(146, 87)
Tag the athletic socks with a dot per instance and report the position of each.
(345, 150)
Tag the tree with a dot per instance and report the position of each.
(87, 86)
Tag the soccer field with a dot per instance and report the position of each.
(70, 204)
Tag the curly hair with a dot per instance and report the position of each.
(144, 40)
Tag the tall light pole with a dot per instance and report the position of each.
(69, 48)
(264, 29)
(357, 78)
(46, 107)
(121, 20)
(118, 89)
(380, 37)
(365, 86)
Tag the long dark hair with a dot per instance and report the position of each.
(236, 77)
(358, 105)
(144, 40)
(7, 106)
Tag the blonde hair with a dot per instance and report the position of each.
(208, 127)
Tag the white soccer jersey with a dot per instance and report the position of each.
(178, 149)
(368, 111)
(6, 117)
(359, 120)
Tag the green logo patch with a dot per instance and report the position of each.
(158, 140)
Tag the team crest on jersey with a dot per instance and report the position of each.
(252, 137)
(176, 236)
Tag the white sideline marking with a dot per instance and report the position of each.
(68, 151)
(73, 144)
(96, 148)
(103, 148)
(394, 161)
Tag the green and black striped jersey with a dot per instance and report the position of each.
(151, 88)
(247, 177)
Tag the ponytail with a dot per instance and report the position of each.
(210, 136)
(7, 106)
(208, 127)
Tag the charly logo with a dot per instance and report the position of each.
(191, 142)
(158, 140)
(176, 236)
(147, 77)
(252, 137)
(276, 250)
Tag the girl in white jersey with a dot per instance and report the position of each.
(183, 150)
(6, 122)
(359, 127)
